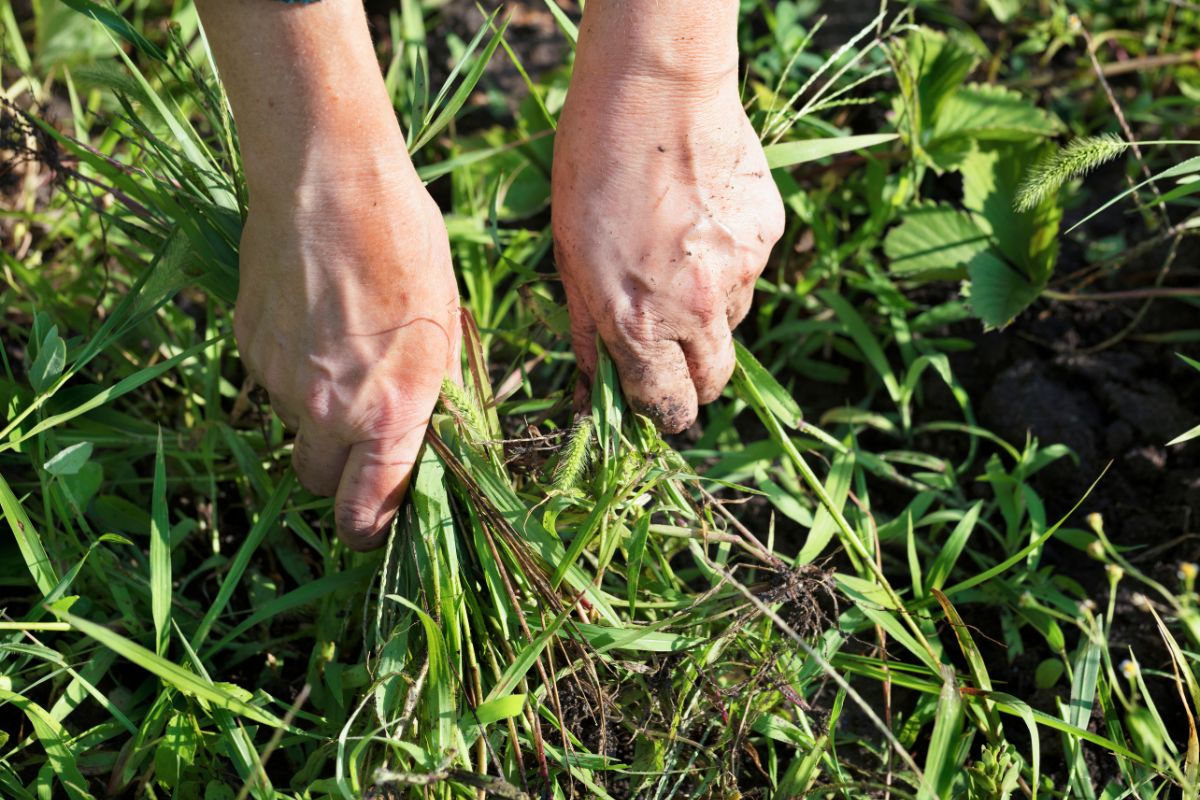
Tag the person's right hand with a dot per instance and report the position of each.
(348, 316)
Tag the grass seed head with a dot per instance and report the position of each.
(1078, 158)
(575, 457)
(460, 404)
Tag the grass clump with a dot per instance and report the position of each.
(881, 595)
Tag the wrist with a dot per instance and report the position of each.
(669, 43)
(340, 181)
(356, 150)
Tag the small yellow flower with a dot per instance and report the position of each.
(1129, 669)
(1096, 550)
(1115, 572)
(1188, 571)
(1095, 522)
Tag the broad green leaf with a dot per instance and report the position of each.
(930, 67)
(934, 242)
(1004, 10)
(789, 154)
(176, 750)
(50, 361)
(1027, 239)
(991, 113)
(69, 460)
(998, 292)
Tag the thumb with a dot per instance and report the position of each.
(374, 480)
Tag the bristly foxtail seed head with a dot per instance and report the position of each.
(575, 457)
(459, 403)
(1078, 158)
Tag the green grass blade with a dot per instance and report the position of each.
(941, 760)
(947, 557)
(268, 518)
(637, 551)
(28, 540)
(565, 24)
(789, 154)
(54, 739)
(187, 682)
(459, 98)
(299, 597)
(160, 553)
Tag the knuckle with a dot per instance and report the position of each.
(397, 414)
(774, 222)
(643, 326)
(751, 269)
(318, 403)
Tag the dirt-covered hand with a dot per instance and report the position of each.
(664, 215)
(348, 315)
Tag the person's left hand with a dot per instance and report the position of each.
(664, 214)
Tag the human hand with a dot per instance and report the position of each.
(348, 316)
(664, 215)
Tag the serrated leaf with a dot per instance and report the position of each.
(1028, 239)
(991, 113)
(934, 241)
(998, 292)
(942, 62)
